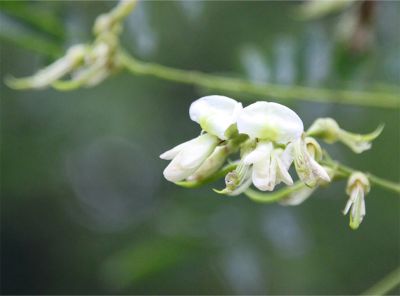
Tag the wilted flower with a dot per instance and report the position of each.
(308, 169)
(357, 187)
(329, 130)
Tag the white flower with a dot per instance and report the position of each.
(215, 114)
(270, 166)
(188, 157)
(307, 168)
(211, 164)
(270, 121)
(358, 185)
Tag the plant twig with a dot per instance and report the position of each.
(385, 285)
(383, 183)
(372, 99)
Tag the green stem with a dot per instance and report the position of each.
(385, 285)
(373, 99)
(274, 196)
(347, 171)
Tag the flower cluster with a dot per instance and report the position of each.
(86, 64)
(269, 137)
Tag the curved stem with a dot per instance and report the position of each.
(385, 285)
(347, 171)
(274, 196)
(373, 99)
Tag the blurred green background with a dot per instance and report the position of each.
(84, 206)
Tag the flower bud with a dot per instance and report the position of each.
(357, 187)
(328, 130)
(237, 181)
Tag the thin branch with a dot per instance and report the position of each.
(385, 285)
(372, 99)
(383, 183)
(274, 196)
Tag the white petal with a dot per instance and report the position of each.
(358, 210)
(270, 121)
(298, 197)
(170, 154)
(260, 175)
(348, 205)
(262, 151)
(287, 156)
(272, 174)
(308, 170)
(190, 158)
(215, 114)
(211, 164)
(319, 171)
(283, 174)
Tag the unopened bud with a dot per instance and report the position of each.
(357, 187)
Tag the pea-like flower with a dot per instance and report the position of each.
(357, 187)
(188, 157)
(201, 157)
(270, 127)
(270, 166)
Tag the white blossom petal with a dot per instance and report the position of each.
(282, 173)
(215, 114)
(211, 164)
(358, 207)
(190, 158)
(170, 154)
(262, 150)
(270, 121)
(261, 174)
(298, 196)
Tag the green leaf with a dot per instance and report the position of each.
(44, 20)
(21, 36)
